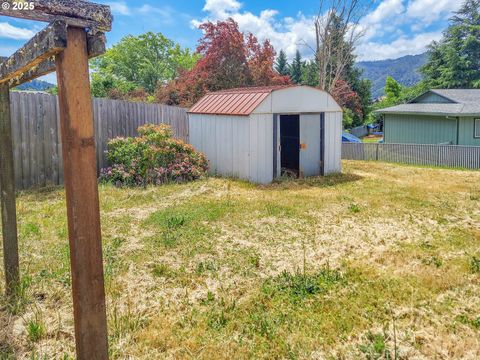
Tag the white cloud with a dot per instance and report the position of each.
(119, 7)
(385, 11)
(389, 13)
(431, 10)
(16, 33)
(387, 27)
(221, 8)
(288, 34)
(402, 46)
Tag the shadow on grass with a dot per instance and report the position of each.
(315, 181)
(39, 190)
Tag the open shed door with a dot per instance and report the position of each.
(310, 144)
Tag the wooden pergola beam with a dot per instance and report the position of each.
(45, 44)
(96, 45)
(77, 13)
(80, 174)
(64, 46)
(7, 195)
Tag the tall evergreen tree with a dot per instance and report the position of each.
(310, 73)
(296, 68)
(454, 61)
(281, 64)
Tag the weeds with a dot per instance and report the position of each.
(475, 265)
(433, 260)
(36, 328)
(30, 230)
(376, 348)
(354, 208)
(19, 299)
(162, 270)
(298, 286)
(466, 320)
(123, 323)
(204, 266)
(262, 323)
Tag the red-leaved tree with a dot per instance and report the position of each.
(260, 59)
(346, 97)
(228, 60)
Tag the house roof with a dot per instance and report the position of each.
(461, 96)
(237, 101)
(462, 102)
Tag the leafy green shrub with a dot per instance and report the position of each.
(154, 157)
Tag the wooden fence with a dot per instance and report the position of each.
(36, 132)
(455, 156)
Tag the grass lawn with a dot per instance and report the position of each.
(382, 260)
(372, 139)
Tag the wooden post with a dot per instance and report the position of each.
(7, 191)
(79, 159)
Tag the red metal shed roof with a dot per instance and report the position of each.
(238, 101)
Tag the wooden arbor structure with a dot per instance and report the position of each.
(74, 34)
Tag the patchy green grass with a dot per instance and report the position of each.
(379, 262)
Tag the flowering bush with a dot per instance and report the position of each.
(154, 157)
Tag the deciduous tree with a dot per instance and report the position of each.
(139, 62)
(337, 32)
(228, 59)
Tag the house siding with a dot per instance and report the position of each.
(431, 98)
(465, 132)
(419, 129)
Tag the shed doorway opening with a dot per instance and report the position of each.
(290, 145)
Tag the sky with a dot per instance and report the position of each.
(392, 28)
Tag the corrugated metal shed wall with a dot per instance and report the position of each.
(333, 142)
(242, 146)
(310, 136)
(261, 148)
(237, 146)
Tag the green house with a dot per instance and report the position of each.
(440, 116)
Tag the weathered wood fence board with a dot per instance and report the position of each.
(36, 132)
(455, 156)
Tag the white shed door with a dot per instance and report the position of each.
(310, 145)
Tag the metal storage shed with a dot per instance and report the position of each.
(259, 133)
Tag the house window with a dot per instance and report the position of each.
(476, 128)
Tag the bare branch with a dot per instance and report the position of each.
(337, 31)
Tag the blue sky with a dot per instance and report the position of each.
(393, 28)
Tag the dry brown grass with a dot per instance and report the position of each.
(192, 270)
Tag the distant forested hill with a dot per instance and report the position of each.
(35, 85)
(404, 70)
